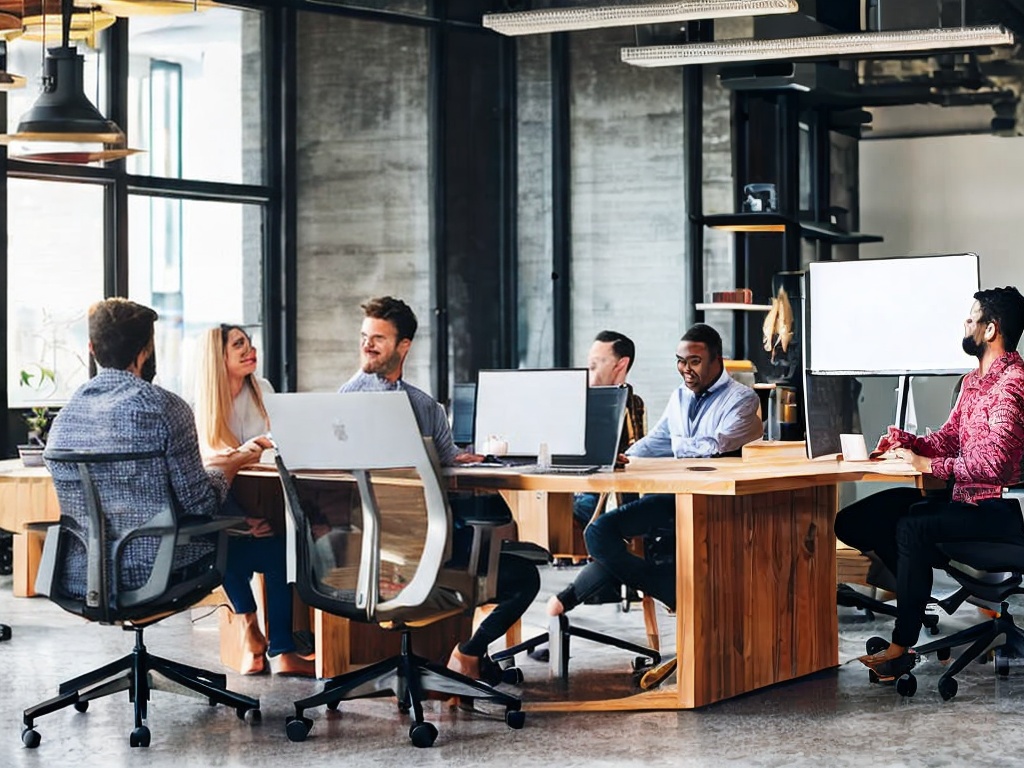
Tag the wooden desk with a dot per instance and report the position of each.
(26, 496)
(755, 564)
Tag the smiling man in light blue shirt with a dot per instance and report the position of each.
(710, 414)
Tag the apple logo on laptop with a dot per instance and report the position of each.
(339, 430)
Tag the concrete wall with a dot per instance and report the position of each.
(363, 189)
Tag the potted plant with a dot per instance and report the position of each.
(38, 417)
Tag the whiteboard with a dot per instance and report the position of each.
(530, 407)
(890, 316)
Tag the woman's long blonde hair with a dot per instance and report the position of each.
(213, 401)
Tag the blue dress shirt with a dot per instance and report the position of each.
(721, 420)
(430, 415)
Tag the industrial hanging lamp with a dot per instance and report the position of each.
(63, 116)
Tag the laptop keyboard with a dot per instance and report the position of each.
(569, 469)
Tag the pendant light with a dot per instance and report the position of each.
(63, 114)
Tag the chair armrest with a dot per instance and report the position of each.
(194, 525)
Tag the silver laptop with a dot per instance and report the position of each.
(606, 411)
(318, 430)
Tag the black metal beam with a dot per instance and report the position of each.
(561, 199)
(279, 259)
(212, 191)
(115, 198)
(6, 443)
(509, 211)
(693, 152)
(437, 76)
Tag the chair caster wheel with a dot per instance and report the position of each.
(298, 728)
(30, 738)
(333, 705)
(5, 632)
(1002, 664)
(906, 685)
(641, 663)
(403, 708)
(512, 676)
(873, 677)
(875, 644)
(139, 737)
(251, 716)
(515, 718)
(943, 655)
(81, 706)
(948, 688)
(422, 734)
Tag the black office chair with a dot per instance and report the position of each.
(988, 573)
(81, 570)
(391, 564)
(561, 630)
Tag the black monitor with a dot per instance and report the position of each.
(830, 409)
(463, 413)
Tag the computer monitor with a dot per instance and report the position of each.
(606, 412)
(463, 413)
(528, 407)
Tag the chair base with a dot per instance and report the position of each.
(408, 677)
(982, 638)
(558, 635)
(848, 597)
(139, 672)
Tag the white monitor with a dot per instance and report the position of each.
(889, 316)
(528, 407)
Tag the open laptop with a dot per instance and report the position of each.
(606, 410)
(321, 430)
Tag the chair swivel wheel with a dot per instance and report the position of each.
(81, 706)
(422, 734)
(948, 687)
(333, 705)
(872, 676)
(515, 718)
(250, 715)
(943, 655)
(298, 728)
(30, 738)
(403, 708)
(931, 623)
(5, 632)
(512, 676)
(1002, 665)
(139, 737)
(906, 685)
(641, 663)
(625, 605)
(875, 644)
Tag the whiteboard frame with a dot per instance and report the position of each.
(875, 306)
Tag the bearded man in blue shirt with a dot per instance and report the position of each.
(709, 415)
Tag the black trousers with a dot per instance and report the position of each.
(518, 579)
(903, 529)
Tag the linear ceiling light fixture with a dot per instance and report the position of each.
(569, 19)
(863, 44)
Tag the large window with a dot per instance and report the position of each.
(55, 270)
(195, 96)
(198, 264)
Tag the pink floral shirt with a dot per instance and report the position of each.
(982, 444)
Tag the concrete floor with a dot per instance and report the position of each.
(835, 718)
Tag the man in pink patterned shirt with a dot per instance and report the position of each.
(979, 448)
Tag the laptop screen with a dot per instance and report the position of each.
(530, 407)
(463, 413)
(606, 409)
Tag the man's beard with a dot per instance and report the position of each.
(974, 348)
(148, 370)
(380, 365)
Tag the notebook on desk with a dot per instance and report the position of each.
(606, 410)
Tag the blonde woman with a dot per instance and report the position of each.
(229, 411)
